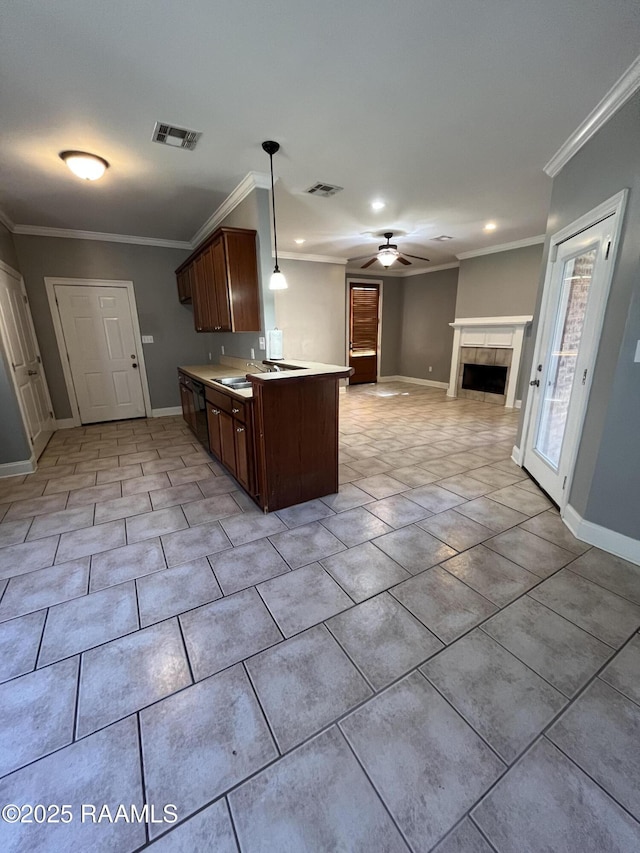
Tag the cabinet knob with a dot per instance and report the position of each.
(235, 411)
(239, 429)
(215, 411)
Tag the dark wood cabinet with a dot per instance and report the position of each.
(187, 402)
(213, 421)
(221, 278)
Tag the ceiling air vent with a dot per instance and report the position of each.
(441, 238)
(324, 190)
(177, 137)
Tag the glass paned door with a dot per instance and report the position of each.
(563, 355)
(574, 300)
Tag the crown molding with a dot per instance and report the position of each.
(318, 259)
(6, 221)
(402, 273)
(73, 234)
(503, 247)
(626, 86)
(251, 181)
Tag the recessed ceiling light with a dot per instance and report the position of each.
(490, 226)
(299, 241)
(90, 167)
(377, 205)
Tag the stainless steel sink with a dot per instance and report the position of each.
(234, 382)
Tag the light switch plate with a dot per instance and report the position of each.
(261, 343)
(147, 339)
(253, 353)
(637, 355)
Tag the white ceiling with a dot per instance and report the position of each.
(447, 110)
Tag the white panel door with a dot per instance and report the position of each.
(566, 349)
(21, 348)
(101, 346)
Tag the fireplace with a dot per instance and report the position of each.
(489, 378)
(486, 359)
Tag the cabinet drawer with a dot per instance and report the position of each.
(218, 399)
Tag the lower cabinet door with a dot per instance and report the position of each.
(242, 458)
(213, 420)
(227, 442)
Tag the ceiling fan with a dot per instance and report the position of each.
(388, 253)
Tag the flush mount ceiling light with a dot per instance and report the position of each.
(300, 241)
(377, 205)
(490, 226)
(89, 167)
(277, 281)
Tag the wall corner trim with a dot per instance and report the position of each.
(103, 236)
(317, 259)
(251, 181)
(66, 423)
(624, 87)
(6, 220)
(163, 413)
(502, 247)
(14, 469)
(516, 455)
(602, 537)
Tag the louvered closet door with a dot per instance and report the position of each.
(363, 332)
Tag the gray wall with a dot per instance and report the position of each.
(312, 312)
(606, 484)
(429, 306)
(160, 314)
(504, 284)
(391, 343)
(14, 445)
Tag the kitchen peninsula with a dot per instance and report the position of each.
(275, 431)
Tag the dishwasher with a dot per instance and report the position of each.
(200, 407)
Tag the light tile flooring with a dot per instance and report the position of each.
(427, 660)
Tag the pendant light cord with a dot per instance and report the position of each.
(273, 207)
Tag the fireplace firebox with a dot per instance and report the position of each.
(490, 378)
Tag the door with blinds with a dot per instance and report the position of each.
(364, 301)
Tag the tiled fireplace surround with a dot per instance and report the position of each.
(484, 355)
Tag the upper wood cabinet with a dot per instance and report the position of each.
(222, 281)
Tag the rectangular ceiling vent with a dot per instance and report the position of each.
(176, 137)
(324, 190)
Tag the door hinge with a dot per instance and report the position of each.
(13, 366)
(584, 377)
(68, 359)
(564, 483)
(31, 439)
(39, 360)
(24, 296)
(50, 414)
(607, 250)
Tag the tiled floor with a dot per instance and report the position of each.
(426, 661)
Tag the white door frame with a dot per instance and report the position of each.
(356, 279)
(614, 207)
(50, 285)
(15, 274)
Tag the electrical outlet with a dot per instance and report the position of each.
(262, 343)
(637, 355)
(210, 359)
(430, 369)
(222, 350)
(147, 339)
(253, 353)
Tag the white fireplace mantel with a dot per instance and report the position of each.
(492, 332)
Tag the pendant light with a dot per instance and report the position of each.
(87, 166)
(277, 281)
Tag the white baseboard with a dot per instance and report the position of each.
(164, 413)
(15, 469)
(414, 380)
(516, 456)
(66, 423)
(603, 538)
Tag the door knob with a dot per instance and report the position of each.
(134, 365)
(32, 372)
(535, 382)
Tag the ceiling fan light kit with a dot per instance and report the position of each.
(388, 254)
(277, 280)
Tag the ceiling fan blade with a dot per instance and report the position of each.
(368, 264)
(417, 257)
(403, 261)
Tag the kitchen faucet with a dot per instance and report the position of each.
(261, 369)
